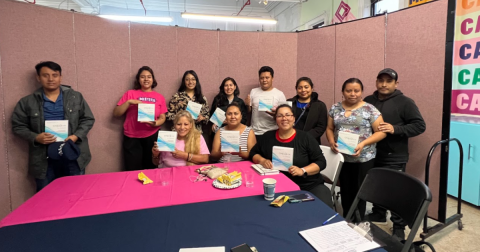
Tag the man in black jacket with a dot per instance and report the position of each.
(52, 101)
(402, 121)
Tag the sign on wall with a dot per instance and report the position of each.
(466, 59)
(343, 13)
(416, 2)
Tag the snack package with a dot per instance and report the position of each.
(279, 201)
(230, 178)
(142, 177)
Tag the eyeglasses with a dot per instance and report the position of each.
(282, 116)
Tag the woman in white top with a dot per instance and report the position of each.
(233, 116)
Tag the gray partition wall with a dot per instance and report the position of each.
(100, 59)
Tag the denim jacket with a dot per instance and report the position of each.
(28, 122)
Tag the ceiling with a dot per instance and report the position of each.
(218, 7)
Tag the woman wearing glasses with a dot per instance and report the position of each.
(189, 90)
(308, 159)
(190, 148)
(234, 123)
(310, 112)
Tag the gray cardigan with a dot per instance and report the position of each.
(28, 122)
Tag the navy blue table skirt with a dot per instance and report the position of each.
(216, 223)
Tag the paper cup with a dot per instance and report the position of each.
(269, 188)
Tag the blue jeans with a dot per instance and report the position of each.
(57, 169)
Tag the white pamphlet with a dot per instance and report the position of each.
(146, 112)
(282, 158)
(230, 140)
(166, 140)
(194, 109)
(289, 103)
(58, 128)
(347, 142)
(209, 249)
(265, 103)
(264, 171)
(218, 117)
(337, 237)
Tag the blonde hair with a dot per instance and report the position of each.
(192, 139)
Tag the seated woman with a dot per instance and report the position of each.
(228, 94)
(308, 159)
(247, 137)
(190, 148)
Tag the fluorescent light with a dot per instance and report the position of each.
(235, 19)
(138, 18)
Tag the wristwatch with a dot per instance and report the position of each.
(305, 174)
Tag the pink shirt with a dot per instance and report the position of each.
(169, 161)
(132, 128)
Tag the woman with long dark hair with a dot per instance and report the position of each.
(139, 136)
(228, 94)
(310, 112)
(189, 90)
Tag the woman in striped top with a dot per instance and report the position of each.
(247, 137)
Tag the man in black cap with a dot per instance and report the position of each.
(52, 101)
(402, 121)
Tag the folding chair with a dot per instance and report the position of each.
(332, 172)
(398, 192)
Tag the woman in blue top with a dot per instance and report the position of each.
(353, 115)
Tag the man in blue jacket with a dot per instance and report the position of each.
(402, 121)
(52, 101)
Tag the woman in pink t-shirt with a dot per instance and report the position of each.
(139, 136)
(190, 148)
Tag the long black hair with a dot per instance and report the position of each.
(198, 88)
(221, 97)
(137, 85)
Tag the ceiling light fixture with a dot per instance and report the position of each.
(138, 18)
(236, 19)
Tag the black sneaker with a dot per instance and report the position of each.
(376, 217)
(399, 234)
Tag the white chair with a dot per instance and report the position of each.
(332, 172)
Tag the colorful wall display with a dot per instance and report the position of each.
(417, 2)
(466, 60)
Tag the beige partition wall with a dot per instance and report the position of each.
(416, 49)
(4, 177)
(100, 59)
(316, 59)
(359, 53)
(23, 42)
(236, 51)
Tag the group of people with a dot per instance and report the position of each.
(384, 121)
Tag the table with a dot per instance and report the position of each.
(226, 223)
(85, 195)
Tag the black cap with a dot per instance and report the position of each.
(63, 151)
(390, 72)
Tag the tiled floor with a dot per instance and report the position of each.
(453, 239)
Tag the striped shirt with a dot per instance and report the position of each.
(243, 144)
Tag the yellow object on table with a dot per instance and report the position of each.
(142, 177)
(230, 178)
(279, 201)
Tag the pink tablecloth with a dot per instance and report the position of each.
(94, 194)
